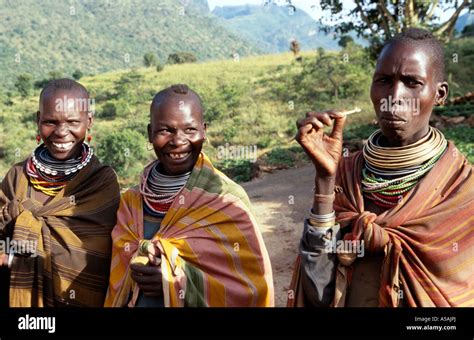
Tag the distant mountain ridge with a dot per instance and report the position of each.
(97, 36)
(272, 27)
(463, 21)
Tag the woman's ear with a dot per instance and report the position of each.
(149, 133)
(90, 120)
(441, 93)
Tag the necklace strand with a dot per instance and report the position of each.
(159, 190)
(389, 173)
(50, 175)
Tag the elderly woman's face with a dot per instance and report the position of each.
(404, 90)
(63, 123)
(177, 132)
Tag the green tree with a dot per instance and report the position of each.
(327, 77)
(77, 74)
(123, 150)
(149, 59)
(39, 84)
(468, 31)
(181, 58)
(345, 40)
(378, 21)
(109, 111)
(23, 85)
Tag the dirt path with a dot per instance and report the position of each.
(281, 201)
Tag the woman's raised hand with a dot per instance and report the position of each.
(323, 150)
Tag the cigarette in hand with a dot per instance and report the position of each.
(349, 112)
(346, 112)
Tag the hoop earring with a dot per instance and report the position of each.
(149, 146)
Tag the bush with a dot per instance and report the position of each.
(124, 150)
(39, 84)
(159, 67)
(149, 59)
(181, 58)
(280, 156)
(463, 139)
(240, 170)
(109, 111)
(326, 77)
(77, 74)
(23, 85)
(459, 58)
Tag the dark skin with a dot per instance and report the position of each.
(64, 124)
(177, 127)
(59, 125)
(404, 72)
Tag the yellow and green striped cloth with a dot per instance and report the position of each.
(212, 252)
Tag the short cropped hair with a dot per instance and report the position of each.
(63, 84)
(424, 38)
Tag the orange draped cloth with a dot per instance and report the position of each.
(427, 240)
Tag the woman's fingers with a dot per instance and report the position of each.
(154, 260)
(327, 117)
(3, 260)
(335, 114)
(338, 128)
(309, 123)
(145, 270)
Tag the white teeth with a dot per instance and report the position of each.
(63, 146)
(178, 155)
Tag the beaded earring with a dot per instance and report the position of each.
(89, 135)
(38, 138)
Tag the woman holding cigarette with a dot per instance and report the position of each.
(406, 198)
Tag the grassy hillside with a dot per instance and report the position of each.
(38, 37)
(239, 98)
(252, 103)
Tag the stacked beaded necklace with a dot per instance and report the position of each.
(390, 172)
(159, 190)
(50, 175)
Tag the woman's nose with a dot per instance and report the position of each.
(61, 131)
(398, 92)
(179, 139)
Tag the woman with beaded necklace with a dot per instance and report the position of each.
(62, 203)
(390, 225)
(186, 235)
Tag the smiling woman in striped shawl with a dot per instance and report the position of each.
(60, 204)
(405, 202)
(186, 236)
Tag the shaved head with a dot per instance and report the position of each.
(180, 93)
